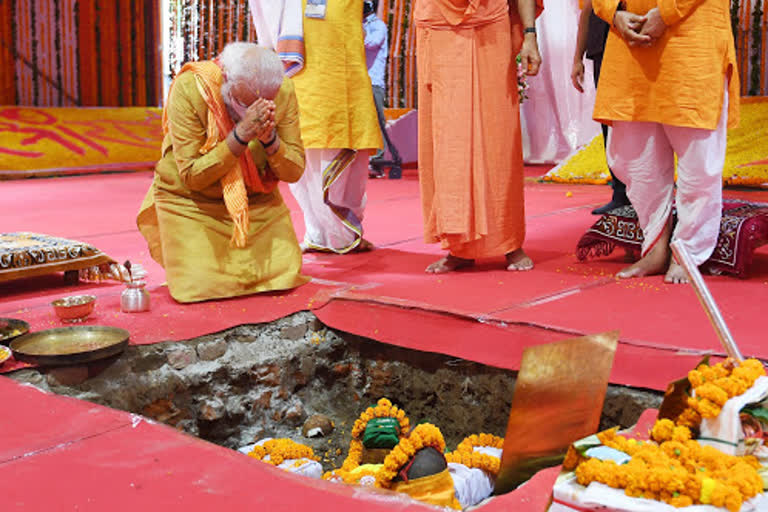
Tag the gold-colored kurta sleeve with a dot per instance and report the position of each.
(187, 135)
(288, 161)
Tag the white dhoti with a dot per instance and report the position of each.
(331, 194)
(641, 154)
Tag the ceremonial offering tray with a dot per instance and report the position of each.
(11, 328)
(74, 309)
(5, 353)
(70, 345)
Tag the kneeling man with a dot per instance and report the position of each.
(213, 217)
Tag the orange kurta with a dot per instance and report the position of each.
(680, 80)
(470, 150)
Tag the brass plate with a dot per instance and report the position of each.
(557, 400)
(11, 328)
(70, 345)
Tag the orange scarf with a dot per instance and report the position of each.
(209, 79)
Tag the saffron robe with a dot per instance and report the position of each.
(470, 150)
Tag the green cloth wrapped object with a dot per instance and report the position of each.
(381, 433)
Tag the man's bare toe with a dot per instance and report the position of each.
(518, 261)
(676, 274)
(448, 264)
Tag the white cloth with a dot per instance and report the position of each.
(641, 154)
(556, 119)
(305, 467)
(725, 432)
(569, 496)
(470, 485)
(280, 20)
(324, 228)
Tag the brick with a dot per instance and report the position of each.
(263, 401)
(181, 357)
(293, 332)
(295, 415)
(267, 375)
(67, 375)
(211, 350)
(212, 410)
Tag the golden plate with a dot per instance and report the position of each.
(70, 345)
(11, 328)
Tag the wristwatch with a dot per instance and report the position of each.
(529, 30)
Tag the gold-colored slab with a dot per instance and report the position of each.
(676, 396)
(70, 345)
(11, 328)
(558, 399)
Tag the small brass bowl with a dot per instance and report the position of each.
(74, 309)
(5, 354)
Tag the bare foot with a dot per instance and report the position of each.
(676, 274)
(653, 263)
(448, 264)
(518, 261)
(363, 246)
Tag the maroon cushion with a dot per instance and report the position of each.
(743, 228)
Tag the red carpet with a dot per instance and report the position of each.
(484, 314)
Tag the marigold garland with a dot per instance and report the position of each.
(714, 385)
(678, 471)
(465, 453)
(383, 409)
(280, 450)
(422, 436)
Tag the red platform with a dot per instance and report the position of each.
(90, 458)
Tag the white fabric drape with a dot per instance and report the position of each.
(556, 118)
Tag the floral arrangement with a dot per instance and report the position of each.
(522, 80)
(383, 409)
(423, 436)
(678, 470)
(714, 385)
(465, 453)
(280, 450)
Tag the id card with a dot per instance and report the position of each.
(315, 9)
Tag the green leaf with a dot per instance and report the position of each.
(761, 413)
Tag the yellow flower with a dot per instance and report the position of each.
(662, 430)
(280, 450)
(422, 436)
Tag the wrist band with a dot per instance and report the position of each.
(529, 30)
(274, 138)
(238, 139)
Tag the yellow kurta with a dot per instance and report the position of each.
(679, 80)
(334, 90)
(184, 218)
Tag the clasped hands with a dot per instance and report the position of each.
(639, 30)
(258, 122)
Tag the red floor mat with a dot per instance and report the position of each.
(560, 298)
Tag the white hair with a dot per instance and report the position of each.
(255, 65)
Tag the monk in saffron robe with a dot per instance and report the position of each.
(470, 148)
(213, 217)
(669, 86)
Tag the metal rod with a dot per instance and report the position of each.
(710, 307)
